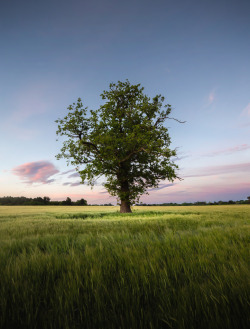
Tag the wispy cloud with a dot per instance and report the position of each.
(104, 192)
(27, 105)
(74, 175)
(75, 184)
(211, 97)
(72, 184)
(36, 172)
(229, 150)
(67, 172)
(202, 192)
(246, 111)
(219, 170)
(29, 102)
(90, 196)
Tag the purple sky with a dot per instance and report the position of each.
(195, 53)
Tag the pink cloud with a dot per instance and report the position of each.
(229, 150)
(219, 170)
(90, 196)
(246, 111)
(202, 192)
(224, 192)
(211, 97)
(36, 172)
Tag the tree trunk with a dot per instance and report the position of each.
(125, 207)
(124, 193)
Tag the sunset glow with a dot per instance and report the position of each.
(194, 53)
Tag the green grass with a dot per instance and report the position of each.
(91, 267)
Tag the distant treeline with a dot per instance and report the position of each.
(198, 203)
(39, 201)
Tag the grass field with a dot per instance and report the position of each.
(91, 267)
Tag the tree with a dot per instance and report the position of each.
(81, 202)
(46, 200)
(125, 140)
(67, 202)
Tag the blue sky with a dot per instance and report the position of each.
(195, 53)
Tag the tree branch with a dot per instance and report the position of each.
(159, 120)
(90, 144)
(176, 120)
(130, 154)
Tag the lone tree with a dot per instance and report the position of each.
(125, 140)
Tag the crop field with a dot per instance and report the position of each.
(94, 268)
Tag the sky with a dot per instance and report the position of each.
(195, 53)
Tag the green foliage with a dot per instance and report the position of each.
(124, 140)
(173, 267)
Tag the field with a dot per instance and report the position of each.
(91, 267)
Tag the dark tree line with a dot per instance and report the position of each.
(39, 201)
(23, 201)
(198, 203)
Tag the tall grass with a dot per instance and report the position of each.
(159, 267)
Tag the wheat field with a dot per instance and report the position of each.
(92, 267)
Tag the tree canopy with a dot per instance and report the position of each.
(124, 140)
